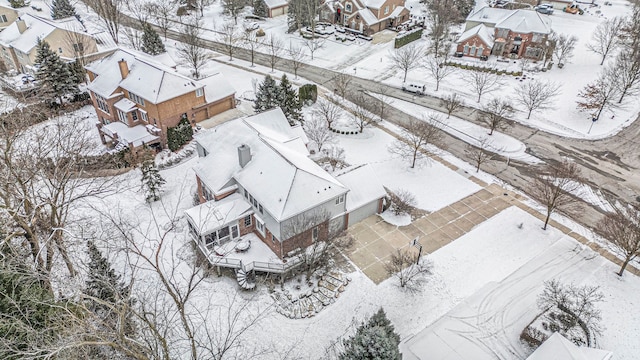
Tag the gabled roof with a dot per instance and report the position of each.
(148, 79)
(557, 347)
(489, 15)
(526, 21)
(483, 32)
(37, 27)
(374, 4)
(272, 4)
(363, 185)
(212, 215)
(280, 175)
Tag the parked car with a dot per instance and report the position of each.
(458, 54)
(573, 9)
(484, 57)
(416, 88)
(251, 26)
(544, 9)
(27, 78)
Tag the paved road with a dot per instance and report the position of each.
(610, 163)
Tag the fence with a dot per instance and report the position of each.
(226, 262)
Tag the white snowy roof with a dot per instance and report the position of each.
(147, 78)
(557, 347)
(37, 28)
(374, 4)
(489, 15)
(484, 33)
(363, 185)
(125, 105)
(216, 87)
(280, 175)
(526, 21)
(136, 135)
(368, 17)
(272, 4)
(213, 215)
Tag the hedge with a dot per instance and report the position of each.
(308, 92)
(404, 39)
(180, 134)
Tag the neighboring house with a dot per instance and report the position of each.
(137, 99)
(255, 175)
(276, 7)
(7, 16)
(365, 16)
(557, 347)
(67, 37)
(508, 33)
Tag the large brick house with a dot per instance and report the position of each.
(254, 175)
(507, 33)
(137, 99)
(365, 16)
(67, 37)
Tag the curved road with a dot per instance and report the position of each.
(610, 164)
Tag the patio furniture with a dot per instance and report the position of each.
(243, 245)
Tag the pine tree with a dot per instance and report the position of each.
(375, 339)
(267, 96)
(152, 181)
(77, 72)
(289, 102)
(151, 42)
(61, 9)
(54, 74)
(17, 3)
(259, 8)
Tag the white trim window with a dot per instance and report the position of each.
(340, 199)
(144, 116)
(260, 225)
(199, 92)
(386, 9)
(134, 115)
(348, 7)
(315, 234)
(247, 221)
(122, 117)
(3, 18)
(136, 98)
(102, 104)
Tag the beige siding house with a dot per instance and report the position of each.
(7, 16)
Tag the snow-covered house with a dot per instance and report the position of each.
(7, 16)
(137, 99)
(509, 33)
(365, 16)
(276, 7)
(255, 175)
(67, 37)
(557, 347)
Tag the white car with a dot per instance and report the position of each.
(252, 26)
(416, 88)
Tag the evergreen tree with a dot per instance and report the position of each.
(151, 42)
(267, 96)
(61, 9)
(375, 339)
(259, 8)
(77, 72)
(17, 3)
(104, 285)
(54, 74)
(152, 181)
(289, 102)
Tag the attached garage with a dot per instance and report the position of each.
(363, 212)
(276, 7)
(365, 193)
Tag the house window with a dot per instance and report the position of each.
(386, 9)
(105, 121)
(473, 50)
(210, 239)
(465, 50)
(503, 33)
(533, 53)
(78, 47)
(3, 18)
(536, 38)
(144, 116)
(274, 239)
(247, 221)
(479, 51)
(340, 199)
(207, 193)
(136, 98)
(260, 226)
(346, 19)
(122, 116)
(134, 115)
(102, 104)
(314, 234)
(199, 92)
(260, 208)
(60, 50)
(246, 194)
(347, 7)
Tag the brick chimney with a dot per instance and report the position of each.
(124, 68)
(22, 26)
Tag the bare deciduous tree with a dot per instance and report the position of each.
(233, 8)
(109, 12)
(495, 114)
(480, 154)
(606, 37)
(402, 201)
(317, 131)
(482, 82)
(441, 16)
(622, 228)
(314, 44)
(628, 74)
(297, 56)
(413, 143)
(191, 49)
(536, 95)
(438, 70)
(406, 58)
(163, 11)
(274, 50)
(230, 37)
(252, 43)
(341, 84)
(451, 103)
(553, 187)
(383, 101)
(564, 47)
(334, 157)
(327, 110)
(362, 106)
(410, 271)
(600, 95)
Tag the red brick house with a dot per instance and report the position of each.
(254, 175)
(137, 99)
(365, 16)
(514, 33)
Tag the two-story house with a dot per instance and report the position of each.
(508, 33)
(255, 175)
(137, 99)
(365, 16)
(67, 37)
(7, 16)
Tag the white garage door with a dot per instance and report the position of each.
(277, 12)
(363, 212)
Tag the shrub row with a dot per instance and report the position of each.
(404, 39)
(484, 69)
(344, 132)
